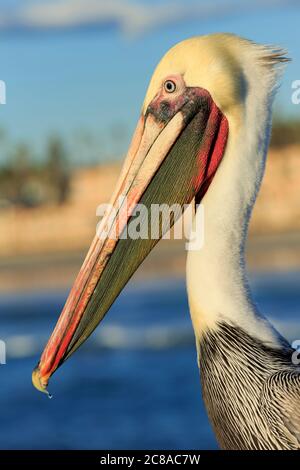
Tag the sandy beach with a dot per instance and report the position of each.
(43, 247)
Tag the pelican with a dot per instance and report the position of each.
(202, 135)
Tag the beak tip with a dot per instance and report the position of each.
(38, 383)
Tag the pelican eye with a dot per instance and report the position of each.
(169, 86)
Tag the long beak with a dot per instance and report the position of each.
(172, 157)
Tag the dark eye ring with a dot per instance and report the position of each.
(169, 86)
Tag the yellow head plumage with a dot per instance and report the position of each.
(217, 63)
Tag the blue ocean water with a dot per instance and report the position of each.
(134, 385)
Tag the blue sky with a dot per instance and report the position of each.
(93, 78)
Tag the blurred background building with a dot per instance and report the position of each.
(75, 73)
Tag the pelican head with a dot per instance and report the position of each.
(194, 105)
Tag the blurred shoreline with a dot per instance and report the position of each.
(43, 247)
(57, 271)
(71, 224)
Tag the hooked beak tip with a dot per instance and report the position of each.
(39, 383)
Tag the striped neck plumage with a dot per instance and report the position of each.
(216, 276)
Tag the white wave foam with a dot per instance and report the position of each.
(120, 337)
